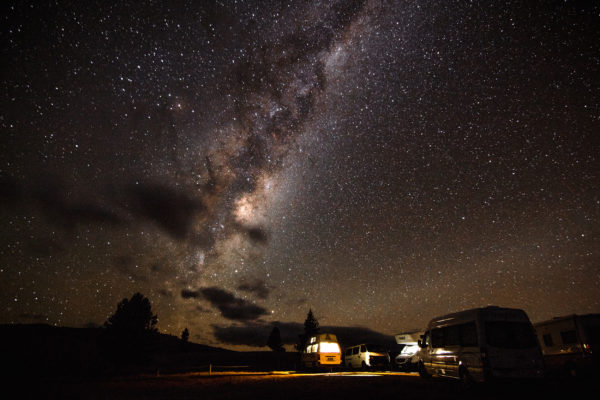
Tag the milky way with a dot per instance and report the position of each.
(240, 162)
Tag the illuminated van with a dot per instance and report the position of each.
(408, 358)
(322, 350)
(366, 356)
(570, 344)
(481, 344)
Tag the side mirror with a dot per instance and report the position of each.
(419, 343)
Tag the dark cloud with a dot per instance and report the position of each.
(231, 307)
(258, 235)
(258, 287)
(351, 335)
(53, 198)
(189, 294)
(172, 210)
(256, 334)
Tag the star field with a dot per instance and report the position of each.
(239, 162)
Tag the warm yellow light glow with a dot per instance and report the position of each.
(328, 347)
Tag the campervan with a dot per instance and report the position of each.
(408, 358)
(322, 350)
(480, 345)
(366, 356)
(570, 344)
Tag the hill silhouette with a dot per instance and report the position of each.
(44, 350)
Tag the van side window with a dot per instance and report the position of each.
(568, 337)
(468, 334)
(363, 348)
(355, 350)
(437, 337)
(451, 337)
(548, 340)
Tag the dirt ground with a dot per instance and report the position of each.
(289, 385)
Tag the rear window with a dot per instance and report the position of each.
(510, 334)
(568, 337)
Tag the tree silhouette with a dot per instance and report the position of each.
(133, 317)
(311, 328)
(274, 341)
(128, 331)
(185, 335)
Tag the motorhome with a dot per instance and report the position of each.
(322, 350)
(366, 356)
(570, 344)
(481, 344)
(408, 358)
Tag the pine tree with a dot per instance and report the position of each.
(126, 339)
(274, 341)
(311, 328)
(133, 316)
(185, 335)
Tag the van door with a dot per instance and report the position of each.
(355, 357)
(445, 345)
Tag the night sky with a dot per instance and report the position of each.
(239, 162)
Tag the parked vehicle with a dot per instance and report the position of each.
(322, 350)
(408, 358)
(366, 356)
(480, 345)
(570, 344)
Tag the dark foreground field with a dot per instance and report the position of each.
(289, 385)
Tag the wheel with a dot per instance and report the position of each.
(571, 370)
(363, 366)
(423, 372)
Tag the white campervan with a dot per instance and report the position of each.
(570, 344)
(481, 344)
(408, 358)
(366, 356)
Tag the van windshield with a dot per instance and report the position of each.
(375, 348)
(510, 334)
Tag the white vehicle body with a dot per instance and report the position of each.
(408, 357)
(570, 344)
(366, 356)
(481, 344)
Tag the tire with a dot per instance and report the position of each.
(363, 366)
(571, 370)
(423, 372)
